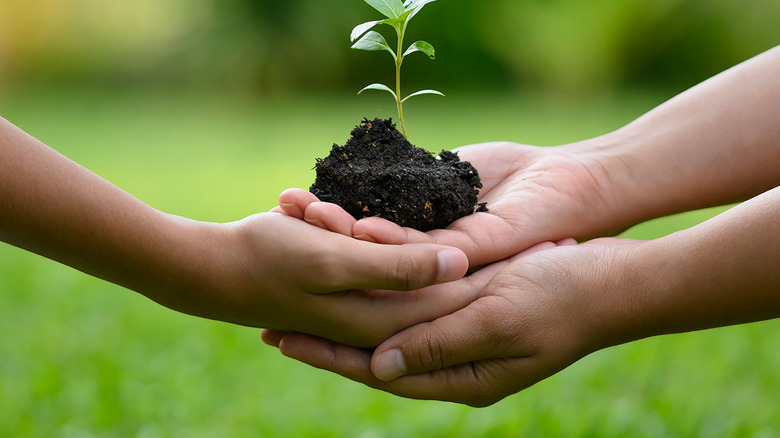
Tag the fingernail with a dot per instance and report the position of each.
(316, 222)
(292, 209)
(389, 365)
(451, 265)
(365, 238)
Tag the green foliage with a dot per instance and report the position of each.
(398, 17)
(296, 46)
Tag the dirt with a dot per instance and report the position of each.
(379, 173)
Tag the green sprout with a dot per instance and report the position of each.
(398, 16)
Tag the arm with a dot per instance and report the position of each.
(721, 272)
(714, 144)
(267, 270)
(547, 310)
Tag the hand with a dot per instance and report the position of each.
(273, 271)
(534, 194)
(538, 315)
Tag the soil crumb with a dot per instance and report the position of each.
(379, 173)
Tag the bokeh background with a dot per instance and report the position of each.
(209, 109)
(288, 47)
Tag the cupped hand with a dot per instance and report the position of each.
(534, 194)
(539, 314)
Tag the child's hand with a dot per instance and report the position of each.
(275, 271)
(303, 205)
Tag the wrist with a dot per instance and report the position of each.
(613, 190)
(653, 288)
(183, 265)
(637, 181)
(625, 284)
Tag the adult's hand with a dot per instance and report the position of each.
(534, 195)
(546, 310)
(539, 314)
(711, 145)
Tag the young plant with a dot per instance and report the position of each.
(398, 17)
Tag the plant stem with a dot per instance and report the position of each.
(399, 59)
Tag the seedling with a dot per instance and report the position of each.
(378, 172)
(398, 17)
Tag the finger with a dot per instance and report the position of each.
(355, 364)
(380, 314)
(272, 337)
(295, 201)
(479, 384)
(363, 265)
(482, 236)
(472, 334)
(429, 303)
(536, 248)
(544, 246)
(351, 362)
(330, 217)
(374, 229)
(277, 209)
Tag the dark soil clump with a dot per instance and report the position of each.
(379, 173)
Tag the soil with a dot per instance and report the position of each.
(379, 173)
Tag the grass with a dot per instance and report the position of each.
(83, 358)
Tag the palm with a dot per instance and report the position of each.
(533, 194)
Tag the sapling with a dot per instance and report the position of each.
(398, 17)
(378, 172)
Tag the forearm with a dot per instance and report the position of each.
(56, 208)
(714, 144)
(721, 272)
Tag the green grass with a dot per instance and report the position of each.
(83, 358)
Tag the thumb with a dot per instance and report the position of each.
(451, 340)
(365, 265)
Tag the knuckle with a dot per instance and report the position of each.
(407, 272)
(430, 355)
(494, 321)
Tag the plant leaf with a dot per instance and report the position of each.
(415, 6)
(421, 46)
(412, 4)
(388, 8)
(373, 41)
(418, 93)
(396, 22)
(360, 29)
(381, 87)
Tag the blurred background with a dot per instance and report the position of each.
(299, 45)
(208, 109)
